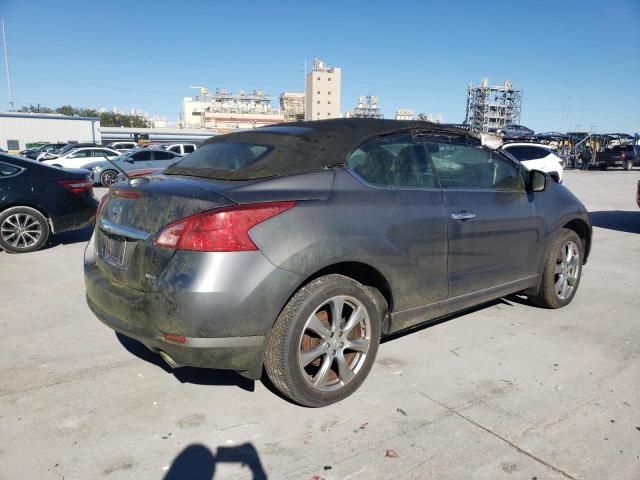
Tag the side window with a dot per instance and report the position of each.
(7, 170)
(81, 154)
(161, 155)
(142, 156)
(188, 149)
(393, 161)
(466, 165)
(175, 149)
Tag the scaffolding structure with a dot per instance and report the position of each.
(292, 106)
(367, 107)
(490, 107)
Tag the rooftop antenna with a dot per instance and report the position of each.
(6, 65)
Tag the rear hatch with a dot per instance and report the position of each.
(132, 216)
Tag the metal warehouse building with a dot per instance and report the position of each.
(19, 129)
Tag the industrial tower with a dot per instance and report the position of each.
(492, 106)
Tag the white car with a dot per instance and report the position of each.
(536, 157)
(81, 156)
(178, 148)
(123, 146)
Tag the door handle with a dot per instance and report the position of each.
(463, 215)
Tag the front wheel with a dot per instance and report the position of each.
(562, 271)
(108, 178)
(324, 342)
(628, 165)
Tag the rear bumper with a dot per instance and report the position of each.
(243, 354)
(224, 304)
(77, 213)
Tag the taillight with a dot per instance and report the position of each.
(125, 193)
(77, 186)
(221, 230)
(103, 200)
(622, 156)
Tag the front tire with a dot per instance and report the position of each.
(628, 165)
(324, 342)
(562, 271)
(108, 178)
(22, 230)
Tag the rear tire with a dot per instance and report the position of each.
(562, 271)
(317, 357)
(22, 230)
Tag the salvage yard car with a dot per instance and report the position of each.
(296, 248)
(37, 200)
(538, 157)
(78, 157)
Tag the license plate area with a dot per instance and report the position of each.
(114, 250)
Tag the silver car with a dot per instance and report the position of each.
(106, 173)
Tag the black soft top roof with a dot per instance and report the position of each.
(312, 145)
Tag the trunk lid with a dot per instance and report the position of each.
(134, 214)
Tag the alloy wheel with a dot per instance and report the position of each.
(567, 270)
(108, 178)
(21, 230)
(334, 344)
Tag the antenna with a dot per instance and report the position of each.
(6, 65)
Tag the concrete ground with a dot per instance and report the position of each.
(508, 391)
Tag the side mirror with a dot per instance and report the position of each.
(538, 181)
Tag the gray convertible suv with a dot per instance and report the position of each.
(295, 248)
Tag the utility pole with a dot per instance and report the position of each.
(6, 65)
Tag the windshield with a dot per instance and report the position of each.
(224, 161)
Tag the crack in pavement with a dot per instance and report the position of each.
(498, 436)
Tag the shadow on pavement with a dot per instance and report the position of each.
(619, 220)
(197, 462)
(198, 376)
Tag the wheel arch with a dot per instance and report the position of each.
(36, 207)
(583, 231)
(360, 272)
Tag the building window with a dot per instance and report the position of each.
(329, 102)
(318, 92)
(318, 78)
(328, 114)
(329, 79)
(15, 144)
(329, 92)
(318, 102)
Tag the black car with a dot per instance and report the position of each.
(37, 200)
(621, 156)
(33, 153)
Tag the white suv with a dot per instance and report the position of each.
(538, 157)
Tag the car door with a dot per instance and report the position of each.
(162, 159)
(496, 231)
(75, 159)
(409, 217)
(141, 159)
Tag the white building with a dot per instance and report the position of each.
(323, 92)
(223, 111)
(405, 114)
(19, 129)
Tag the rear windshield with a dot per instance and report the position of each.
(224, 161)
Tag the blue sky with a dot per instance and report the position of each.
(568, 57)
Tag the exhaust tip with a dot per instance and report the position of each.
(170, 361)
